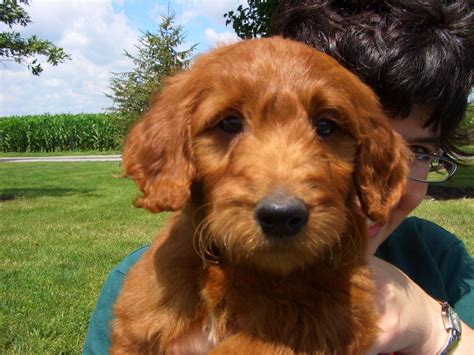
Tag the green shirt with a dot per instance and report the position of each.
(431, 256)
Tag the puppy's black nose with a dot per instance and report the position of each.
(281, 217)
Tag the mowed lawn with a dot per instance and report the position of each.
(65, 225)
(64, 228)
(454, 214)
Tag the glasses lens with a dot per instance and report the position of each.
(430, 168)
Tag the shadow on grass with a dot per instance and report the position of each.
(450, 193)
(435, 192)
(13, 194)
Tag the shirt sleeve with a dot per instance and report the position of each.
(97, 340)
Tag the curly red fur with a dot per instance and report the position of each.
(212, 264)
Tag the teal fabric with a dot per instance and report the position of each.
(436, 260)
(97, 337)
(428, 254)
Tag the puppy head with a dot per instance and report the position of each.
(266, 126)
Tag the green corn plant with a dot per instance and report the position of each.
(61, 132)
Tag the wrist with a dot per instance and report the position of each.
(438, 336)
(452, 325)
(432, 336)
(466, 344)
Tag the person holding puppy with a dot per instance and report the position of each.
(418, 57)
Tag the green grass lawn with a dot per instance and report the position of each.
(69, 224)
(65, 225)
(455, 215)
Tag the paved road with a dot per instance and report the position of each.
(61, 159)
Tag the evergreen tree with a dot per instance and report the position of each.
(157, 57)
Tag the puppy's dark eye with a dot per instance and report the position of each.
(231, 124)
(325, 127)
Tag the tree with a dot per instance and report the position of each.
(252, 21)
(157, 57)
(13, 47)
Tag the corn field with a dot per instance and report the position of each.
(62, 132)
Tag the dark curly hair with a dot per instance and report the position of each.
(409, 52)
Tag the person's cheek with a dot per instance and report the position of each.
(414, 195)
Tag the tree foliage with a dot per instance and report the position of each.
(158, 56)
(252, 21)
(13, 47)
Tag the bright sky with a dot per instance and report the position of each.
(95, 33)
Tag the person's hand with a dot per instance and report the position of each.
(410, 320)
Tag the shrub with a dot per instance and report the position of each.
(50, 133)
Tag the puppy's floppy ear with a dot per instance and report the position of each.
(381, 168)
(157, 152)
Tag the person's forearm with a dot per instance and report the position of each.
(466, 344)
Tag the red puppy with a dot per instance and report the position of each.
(264, 148)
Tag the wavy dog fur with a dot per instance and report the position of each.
(212, 264)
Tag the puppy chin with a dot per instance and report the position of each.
(279, 263)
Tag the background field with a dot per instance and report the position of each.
(62, 132)
(65, 225)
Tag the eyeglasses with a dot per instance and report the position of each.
(431, 168)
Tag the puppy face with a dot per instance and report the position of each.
(280, 139)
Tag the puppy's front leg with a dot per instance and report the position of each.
(242, 343)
